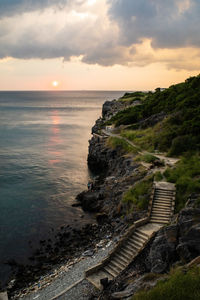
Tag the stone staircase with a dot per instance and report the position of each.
(162, 206)
(160, 211)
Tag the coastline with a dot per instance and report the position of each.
(107, 226)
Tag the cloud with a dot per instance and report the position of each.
(169, 24)
(123, 32)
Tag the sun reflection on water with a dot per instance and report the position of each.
(55, 139)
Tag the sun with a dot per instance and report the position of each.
(55, 83)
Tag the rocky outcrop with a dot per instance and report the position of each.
(110, 108)
(178, 242)
(163, 250)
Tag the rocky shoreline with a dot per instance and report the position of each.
(114, 173)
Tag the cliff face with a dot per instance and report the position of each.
(177, 243)
(115, 173)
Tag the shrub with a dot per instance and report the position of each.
(138, 196)
(180, 285)
(148, 158)
(181, 144)
(186, 176)
(158, 176)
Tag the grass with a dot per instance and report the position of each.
(148, 158)
(186, 176)
(143, 138)
(158, 176)
(131, 97)
(138, 196)
(115, 142)
(179, 132)
(181, 285)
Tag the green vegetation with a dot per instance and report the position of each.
(131, 97)
(181, 285)
(137, 197)
(158, 176)
(179, 132)
(148, 158)
(186, 176)
(125, 147)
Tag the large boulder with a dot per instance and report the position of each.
(189, 234)
(163, 250)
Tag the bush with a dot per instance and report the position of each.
(186, 176)
(181, 103)
(148, 158)
(181, 144)
(180, 285)
(158, 176)
(138, 196)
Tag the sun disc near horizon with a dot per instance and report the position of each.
(55, 83)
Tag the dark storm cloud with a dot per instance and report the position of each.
(65, 28)
(170, 24)
(12, 7)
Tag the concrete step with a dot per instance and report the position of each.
(138, 244)
(129, 247)
(110, 271)
(160, 216)
(161, 205)
(141, 236)
(161, 212)
(162, 209)
(118, 263)
(127, 251)
(164, 191)
(159, 220)
(139, 231)
(133, 245)
(97, 276)
(124, 255)
(139, 240)
(163, 198)
(113, 267)
(122, 259)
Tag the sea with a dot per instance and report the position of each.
(43, 165)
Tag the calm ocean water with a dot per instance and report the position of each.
(43, 152)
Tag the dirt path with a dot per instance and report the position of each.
(169, 161)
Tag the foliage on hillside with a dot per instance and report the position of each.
(131, 97)
(177, 133)
(186, 176)
(115, 142)
(181, 285)
(137, 197)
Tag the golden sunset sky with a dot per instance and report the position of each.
(98, 44)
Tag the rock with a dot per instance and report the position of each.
(88, 253)
(102, 218)
(163, 250)
(189, 234)
(89, 200)
(104, 282)
(194, 262)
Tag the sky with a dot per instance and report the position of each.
(98, 44)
